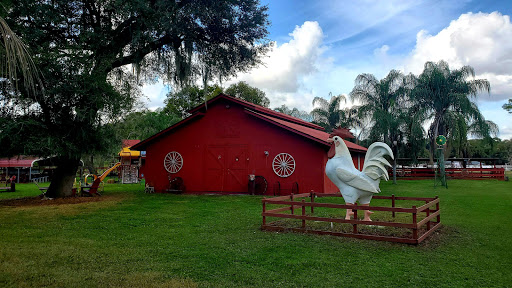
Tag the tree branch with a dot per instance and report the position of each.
(140, 53)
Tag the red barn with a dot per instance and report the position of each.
(227, 139)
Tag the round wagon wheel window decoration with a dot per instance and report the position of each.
(173, 162)
(283, 165)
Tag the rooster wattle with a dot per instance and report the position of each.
(357, 186)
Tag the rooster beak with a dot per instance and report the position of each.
(329, 140)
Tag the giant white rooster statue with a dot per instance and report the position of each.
(357, 185)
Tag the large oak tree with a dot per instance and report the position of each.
(94, 55)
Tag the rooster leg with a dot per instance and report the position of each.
(350, 213)
(367, 213)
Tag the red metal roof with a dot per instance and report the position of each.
(129, 143)
(257, 108)
(313, 134)
(18, 161)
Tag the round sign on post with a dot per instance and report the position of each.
(441, 140)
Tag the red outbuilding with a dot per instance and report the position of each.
(226, 140)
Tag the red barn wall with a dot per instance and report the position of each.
(220, 149)
(223, 147)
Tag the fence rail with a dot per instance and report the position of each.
(41, 179)
(455, 173)
(420, 228)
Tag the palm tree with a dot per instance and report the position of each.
(413, 132)
(328, 114)
(508, 106)
(446, 95)
(382, 102)
(460, 128)
(301, 114)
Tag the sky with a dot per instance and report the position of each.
(321, 46)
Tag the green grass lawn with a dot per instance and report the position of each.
(132, 239)
(24, 190)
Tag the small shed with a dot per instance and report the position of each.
(226, 140)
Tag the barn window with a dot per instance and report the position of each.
(173, 162)
(283, 165)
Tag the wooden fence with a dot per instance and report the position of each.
(454, 173)
(296, 204)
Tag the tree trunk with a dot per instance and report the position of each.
(441, 167)
(63, 178)
(89, 164)
(394, 169)
(441, 131)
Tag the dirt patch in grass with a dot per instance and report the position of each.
(38, 201)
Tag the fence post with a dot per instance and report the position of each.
(312, 201)
(414, 221)
(291, 206)
(393, 203)
(437, 209)
(354, 226)
(303, 214)
(428, 214)
(264, 209)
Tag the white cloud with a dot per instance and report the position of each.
(156, 94)
(286, 67)
(506, 132)
(493, 112)
(345, 19)
(480, 40)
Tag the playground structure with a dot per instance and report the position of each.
(131, 163)
(93, 188)
(421, 222)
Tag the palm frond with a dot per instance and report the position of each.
(17, 58)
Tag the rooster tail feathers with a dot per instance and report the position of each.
(378, 149)
(374, 162)
(375, 167)
(383, 161)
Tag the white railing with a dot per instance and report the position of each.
(41, 179)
